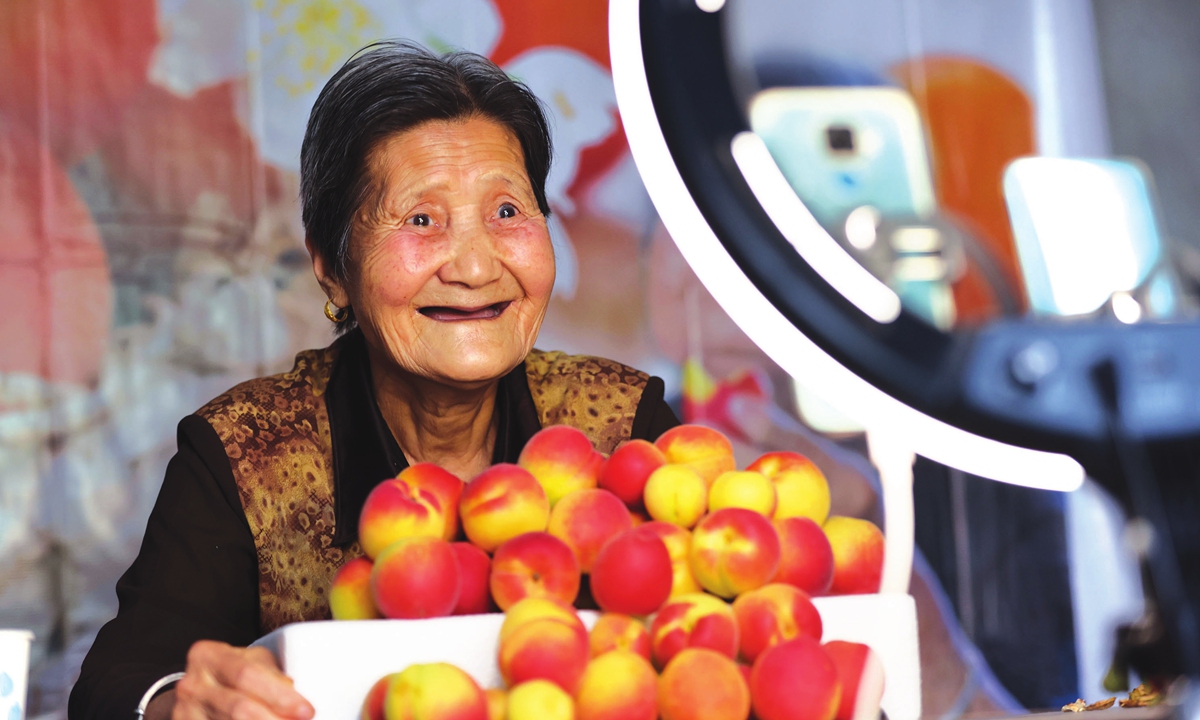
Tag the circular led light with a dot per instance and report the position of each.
(763, 322)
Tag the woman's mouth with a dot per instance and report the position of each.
(446, 313)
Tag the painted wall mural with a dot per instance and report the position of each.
(151, 253)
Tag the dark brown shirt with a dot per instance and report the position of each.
(197, 575)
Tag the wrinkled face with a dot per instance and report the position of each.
(450, 272)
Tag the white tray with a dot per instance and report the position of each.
(334, 663)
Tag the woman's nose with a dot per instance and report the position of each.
(473, 262)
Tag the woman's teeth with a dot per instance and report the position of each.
(454, 314)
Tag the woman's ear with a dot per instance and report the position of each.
(331, 285)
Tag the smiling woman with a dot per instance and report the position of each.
(424, 204)
(452, 268)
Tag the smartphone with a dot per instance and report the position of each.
(1086, 229)
(842, 148)
(847, 148)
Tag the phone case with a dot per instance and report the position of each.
(884, 165)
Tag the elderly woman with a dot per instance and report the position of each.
(423, 189)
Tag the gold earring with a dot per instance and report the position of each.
(338, 316)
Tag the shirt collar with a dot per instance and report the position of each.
(366, 453)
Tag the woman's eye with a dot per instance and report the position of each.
(421, 220)
(508, 210)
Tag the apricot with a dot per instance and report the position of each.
(475, 568)
(857, 555)
(614, 631)
(632, 574)
(693, 621)
(545, 649)
(745, 670)
(401, 508)
(562, 459)
(773, 614)
(795, 680)
(442, 484)
(497, 703)
(702, 684)
(861, 673)
(618, 685)
(501, 503)
(373, 705)
(539, 700)
(679, 546)
(743, 489)
(434, 691)
(734, 550)
(587, 519)
(535, 564)
(416, 578)
(626, 471)
(800, 487)
(537, 608)
(806, 558)
(350, 595)
(676, 494)
(705, 450)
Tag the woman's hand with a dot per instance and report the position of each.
(226, 682)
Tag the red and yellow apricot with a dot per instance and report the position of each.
(442, 484)
(587, 519)
(745, 670)
(546, 649)
(562, 459)
(679, 545)
(734, 550)
(800, 487)
(501, 503)
(742, 489)
(419, 502)
(614, 631)
(535, 564)
(497, 703)
(705, 450)
(795, 680)
(618, 685)
(475, 568)
(538, 608)
(434, 691)
(773, 614)
(632, 574)
(861, 673)
(702, 684)
(539, 700)
(416, 577)
(626, 471)
(857, 555)
(373, 705)
(676, 494)
(806, 557)
(698, 620)
(350, 595)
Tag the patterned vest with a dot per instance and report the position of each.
(276, 434)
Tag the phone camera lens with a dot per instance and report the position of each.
(840, 138)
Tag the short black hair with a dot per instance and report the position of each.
(384, 89)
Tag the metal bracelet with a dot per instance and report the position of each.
(159, 685)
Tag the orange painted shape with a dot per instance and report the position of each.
(978, 121)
